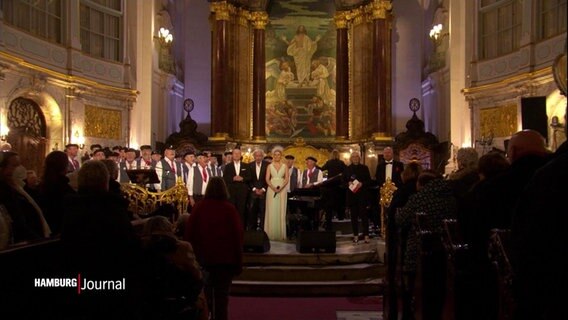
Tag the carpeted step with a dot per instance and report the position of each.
(363, 287)
(313, 273)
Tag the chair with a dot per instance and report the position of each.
(499, 249)
(431, 270)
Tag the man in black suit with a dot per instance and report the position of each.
(332, 193)
(258, 187)
(387, 168)
(237, 177)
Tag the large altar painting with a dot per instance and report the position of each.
(300, 70)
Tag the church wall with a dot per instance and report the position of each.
(407, 36)
(499, 84)
(197, 58)
(71, 88)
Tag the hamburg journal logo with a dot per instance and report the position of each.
(81, 284)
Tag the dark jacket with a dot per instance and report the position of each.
(361, 173)
(397, 168)
(97, 234)
(437, 201)
(51, 200)
(260, 182)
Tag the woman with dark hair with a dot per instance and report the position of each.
(27, 218)
(53, 188)
(215, 231)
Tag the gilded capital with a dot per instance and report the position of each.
(243, 17)
(379, 9)
(222, 10)
(259, 19)
(340, 19)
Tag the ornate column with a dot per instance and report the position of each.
(220, 116)
(342, 81)
(380, 9)
(259, 20)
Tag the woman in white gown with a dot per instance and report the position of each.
(277, 177)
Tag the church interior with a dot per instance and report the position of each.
(300, 79)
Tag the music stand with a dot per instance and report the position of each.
(143, 176)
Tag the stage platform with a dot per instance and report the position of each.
(353, 270)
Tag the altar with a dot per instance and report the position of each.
(315, 72)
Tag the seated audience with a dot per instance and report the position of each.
(435, 198)
(175, 281)
(538, 248)
(476, 217)
(28, 222)
(99, 242)
(466, 175)
(53, 188)
(215, 230)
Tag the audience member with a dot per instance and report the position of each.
(28, 222)
(174, 281)
(96, 228)
(215, 230)
(53, 189)
(407, 188)
(539, 223)
(466, 175)
(436, 200)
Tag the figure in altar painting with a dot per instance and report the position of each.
(300, 70)
(319, 76)
(302, 48)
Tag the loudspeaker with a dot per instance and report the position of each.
(533, 115)
(256, 241)
(316, 242)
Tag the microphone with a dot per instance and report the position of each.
(275, 194)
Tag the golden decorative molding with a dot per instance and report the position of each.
(358, 16)
(259, 19)
(498, 121)
(67, 78)
(222, 10)
(143, 202)
(378, 9)
(243, 17)
(220, 136)
(301, 152)
(341, 18)
(102, 123)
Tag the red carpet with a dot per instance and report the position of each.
(254, 308)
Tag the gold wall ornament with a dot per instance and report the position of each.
(243, 17)
(302, 151)
(341, 19)
(386, 193)
(379, 9)
(259, 19)
(499, 121)
(143, 202)
(102, 123)
(222, 10)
